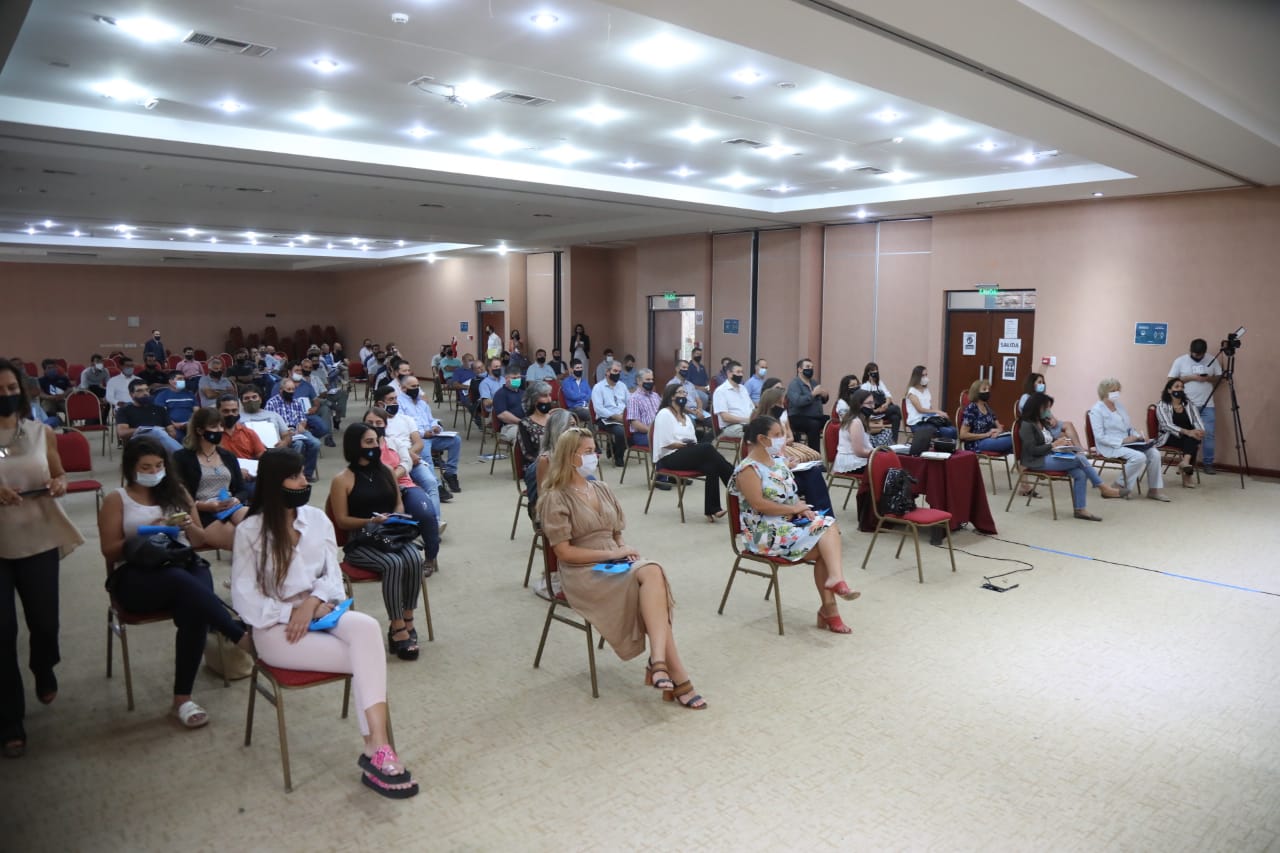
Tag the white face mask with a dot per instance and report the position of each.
(924, 381)
(150, 480)
(777, 445)
(590, 462)
(1114, 395)
(297, 377)
(762, 372)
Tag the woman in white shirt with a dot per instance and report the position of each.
(855, 434)
(1113, 432)
(285, 575)
(675, 448)
(920, 403)
(884, 405)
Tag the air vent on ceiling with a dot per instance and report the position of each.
(71, 254)
(430, 204)
(990, 202)
(226, 45)
(181, 259)
(252, 190)
(750, 143)
(870, 170)
(59, 172)
(519, 99)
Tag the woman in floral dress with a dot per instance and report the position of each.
(771, 507)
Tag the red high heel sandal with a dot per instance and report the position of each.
(834, 624)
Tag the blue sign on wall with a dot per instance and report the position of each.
(731, 327)
(464, 326)
(1156, 334)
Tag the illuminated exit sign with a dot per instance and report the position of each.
(988, 289)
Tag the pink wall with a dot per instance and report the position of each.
(730, 297)
(539, 329)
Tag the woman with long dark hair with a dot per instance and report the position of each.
(676, 447)
(363, 496)
(151, 496)
(207, 471)
(284, 576)
(855, 433)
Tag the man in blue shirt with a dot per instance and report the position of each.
(490, 385)
(413, 403)
(155, 347)
(756, 383)
(508, 403)
(577, 392)
(319, 419)
(540, 370)
(629, 372)
(697, 377)
(178, 402)
(609, 398)
(293, 411)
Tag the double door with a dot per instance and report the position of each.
(994, 345)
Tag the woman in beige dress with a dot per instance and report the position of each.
(583, 524)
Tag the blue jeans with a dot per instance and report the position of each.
(1210, 419)
(318, 425)
(1082, 473)
(418, 505)
(995, 444)
(424, 477)
(309, 446)
(639, 439)
(159, 434)
(452, 447)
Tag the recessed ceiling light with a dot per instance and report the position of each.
(400, 244)
(694, 133)
(399, 18)
(824, 97)
(146, 29)
(496, 144)
(840, 164)
(77, 233)
(665, 51)
(305, 238)
(432, 258)
(781, 188)
(544, 20)
(566, 154)
(122, 90)
(861, 214)
(987, 145)
(896, 176)
(120, 229)
(48, 223)
(599, 114)
(31, 229)
(328, 245)
(502, 249)
(683, 172)
(747, 76)
(230, 106)
(419, 132)
(253, 241)
(737, 181)
(364, 248)
(190, 232)
(475, 90)
(322, 118)
(1028, 158)
(326, 65)
(213, 239)
(776, 150)
(940, 131)
(355, 241)
(1097, 195)
(252, 235)
(630, 164)
(897, 140)
(887, 115)
(128, 235)
(290, 244)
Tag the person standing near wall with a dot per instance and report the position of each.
(1199, 377)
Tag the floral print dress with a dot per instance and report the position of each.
(776, 535)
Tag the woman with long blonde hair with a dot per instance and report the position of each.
(583, 524)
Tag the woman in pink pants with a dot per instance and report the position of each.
(284, 575)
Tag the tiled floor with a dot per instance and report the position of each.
(1095, 707)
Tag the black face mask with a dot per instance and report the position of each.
(1196, 358)
(684, 372)
(542, 359)
(215, 374)
(294, 498)
(189, 356)
(614, 377)
(648, 386)
(735, 379)
(393, 409)
(577, 371)
(543, 407)
(875, 377)
(287, 396)
(10, 404)
(868, 410)
(306, 373)
(698, 358)
(413, 392)
(214, 438)
(380, 430)
(807, 373)
(142, 401)
(681, 402)
(1177, 395)
(984, 396)
(230, 421)
(496, 374)
(777, 411)
(370, 453)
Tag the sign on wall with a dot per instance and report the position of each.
(1010, 345)
(731, 327)
(464, 326)
(1155, 334)
(970, 343)
(1010, 371)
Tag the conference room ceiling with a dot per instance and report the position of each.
(320, 134)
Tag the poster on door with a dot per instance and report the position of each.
(1009, 345)
(1010, 371)
(1011, 327)
(970, 343)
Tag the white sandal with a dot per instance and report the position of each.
(191, 715)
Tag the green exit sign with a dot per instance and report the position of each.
(670, 296)
(989, 290)
(488, 300)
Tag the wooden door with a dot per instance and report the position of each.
(497, 319)
(667, 340)
(969, 347)
(973, 352)
(1006, 391)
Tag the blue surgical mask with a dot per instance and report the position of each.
(180, 384)
(1039, 387)
(149, 479)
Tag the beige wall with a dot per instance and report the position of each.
(540, 292)
(730, 297)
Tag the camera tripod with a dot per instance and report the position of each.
(1242, 448)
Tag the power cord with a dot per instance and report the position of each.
(1030, 567)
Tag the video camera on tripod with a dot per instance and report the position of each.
(1233, 342)
(1229, 347)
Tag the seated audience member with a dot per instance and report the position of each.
(755, 384)
(460, 382)
(241, 371)
(609, 399)
(535, 471)
(1180, 428)
(405, 437)
(118, 394)
(178, 401)
(920, 410)
(155, 348)
(292, 411)
(805, 401)
(603, 367)
(723, 375)
(769, 508)
(490, 384)
(1114, 435)
(980, 429)
(412, 404)
(189, 367)
(273, 361)
(508, 404)
(697, 376)
(642, 408)
(855, 445)
(885, 409)
(1035, 384)
(675, 446)
(1042, 452)
(54, 386)
(577, 392)
(701, 416)
(537, 406)
(319, 417)
(211, 475)
(332, 407)
(583, 523)
(364, 495)
(366, 350)
(241, 440)
(95, 377)
(144, 418)
(153, 495)
(731, 402)
(154, 374)
(32, 387)
(540, 371)
(284, 575)
(630, 375)
(557, 364)
(810, 479)
(214, 385)
(449, 362)
(416, 502)
(844, 393)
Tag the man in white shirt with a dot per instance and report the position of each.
(609, 398)
(1200, 376)
(402, 434)
(118, 386)
(413, 403)
(732, 403)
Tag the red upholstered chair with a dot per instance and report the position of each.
(522, 491)
(555, 392)
(772, 563)
(878, 466)
(1171, 457)
(724, 441)
(680, 479)
(1032, 477)
(73, 450)
(494, 428)
(354, 574)
(202, 355)
(550, 565)
(174, 360)
(633, 451)
(73, 373)
(1101, 462)
(62, 365)
(84, 413)
(986, 457)
(849, 480)
(31, 368)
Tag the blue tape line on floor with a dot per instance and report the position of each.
(1062, 553)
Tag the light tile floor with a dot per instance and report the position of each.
(1094, 707)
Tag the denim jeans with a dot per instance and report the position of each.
(995, 444)
(452, 447)
(424, 477)
(1210, 418)
(1082, 474)
(159, 434)
(309, 446)
(418, 505)
(321, 423)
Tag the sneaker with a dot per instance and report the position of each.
(443, 526)
(1208, 468)
(663, 483)
(329, 442)
(452, 480)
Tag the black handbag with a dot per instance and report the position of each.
(897, 497)
(384, 537)
(154, 553)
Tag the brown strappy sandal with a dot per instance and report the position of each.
(684, 688)
(663, 684)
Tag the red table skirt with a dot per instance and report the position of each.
(953, 484)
